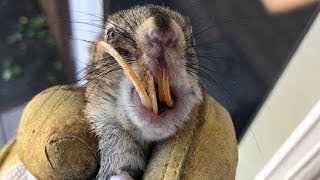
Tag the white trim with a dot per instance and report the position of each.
(297, 152)
(308, 167)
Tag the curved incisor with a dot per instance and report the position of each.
(166, 88)
(145, 100)
(149, 101)
(153, 94)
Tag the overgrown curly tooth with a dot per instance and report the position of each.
(166, 88)
(160, 87)
(153, 95)
(145, 100)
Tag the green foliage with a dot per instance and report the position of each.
(15, 37)
(10, 69)
(23, 20)
(51, 78)
(37, 23)
(30, 28)
(57, 65)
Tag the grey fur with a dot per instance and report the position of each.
(124, 135)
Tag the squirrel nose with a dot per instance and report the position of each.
(162, 37)
(161, 33)
(159, 30)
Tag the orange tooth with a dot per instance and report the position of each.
(145, 100)
(153, 95)
(166, 89)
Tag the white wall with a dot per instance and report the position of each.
(82, 12)
(295, 93)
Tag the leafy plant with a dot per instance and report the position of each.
(57, 65)
(10, 70)
(30, 28)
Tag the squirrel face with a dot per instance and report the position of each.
(157, 43)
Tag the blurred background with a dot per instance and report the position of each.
(243, 47)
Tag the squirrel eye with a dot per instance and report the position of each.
(110, 33)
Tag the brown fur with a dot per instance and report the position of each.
(124, 134)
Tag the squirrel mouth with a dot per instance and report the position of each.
(157, 97)
(159, 91)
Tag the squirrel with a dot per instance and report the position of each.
(157, 43)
